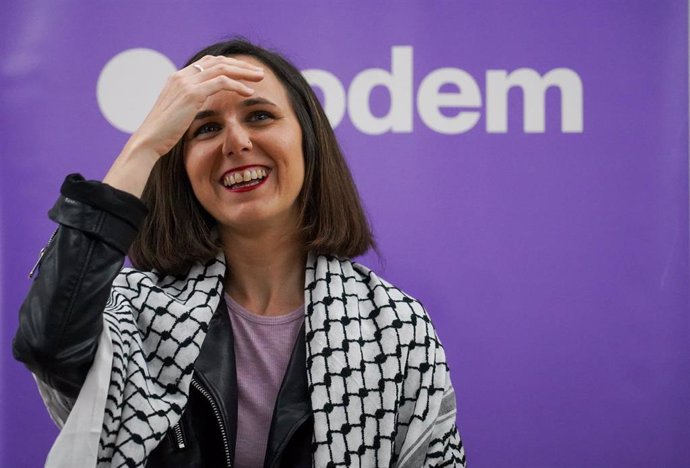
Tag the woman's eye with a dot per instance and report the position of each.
(206, 128)
(260, 116)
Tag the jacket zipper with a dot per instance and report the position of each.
(219, 419)
(179, 436)
(41, 254)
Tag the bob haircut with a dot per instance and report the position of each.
(179, 232)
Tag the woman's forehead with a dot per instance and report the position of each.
(269, 91)
(270, 87)
(270, 78)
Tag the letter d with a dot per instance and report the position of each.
(399, 84)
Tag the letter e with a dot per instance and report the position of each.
(430, 99)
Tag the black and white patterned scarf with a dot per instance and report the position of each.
(380, 390)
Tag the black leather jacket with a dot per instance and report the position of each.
(60, 323)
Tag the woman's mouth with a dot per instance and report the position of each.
(245, 178)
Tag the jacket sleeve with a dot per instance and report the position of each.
(60, 320)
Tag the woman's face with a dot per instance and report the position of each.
(243, 156)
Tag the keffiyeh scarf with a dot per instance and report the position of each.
(380, 390)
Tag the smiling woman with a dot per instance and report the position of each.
(244, 335)
(235, 140)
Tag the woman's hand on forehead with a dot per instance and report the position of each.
(173, 112)
(187, 90)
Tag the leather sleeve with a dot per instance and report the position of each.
(60, 320)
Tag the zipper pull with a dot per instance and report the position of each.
(178, 436)
(41, 254)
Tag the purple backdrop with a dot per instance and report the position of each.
(554, 263)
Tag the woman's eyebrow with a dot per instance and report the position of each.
(256, 101)
(204, 114)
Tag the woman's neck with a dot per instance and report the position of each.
(265, 272)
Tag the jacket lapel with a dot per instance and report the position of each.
(216, 371)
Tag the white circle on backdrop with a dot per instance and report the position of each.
(129, 85)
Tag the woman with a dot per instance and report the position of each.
(197, 356)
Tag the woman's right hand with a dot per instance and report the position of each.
(182, 97)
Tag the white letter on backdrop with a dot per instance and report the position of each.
(499, 82)
(333, 93)
(430, 99)
(399, 84)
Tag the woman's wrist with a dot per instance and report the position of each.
(131, 169)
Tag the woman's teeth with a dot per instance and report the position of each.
(244, 176)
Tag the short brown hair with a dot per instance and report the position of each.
(178, 231)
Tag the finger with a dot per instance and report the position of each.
(197, 67)
(223, 83)
(198, 71)
(209, 61)
(214, 59)
(231, 71)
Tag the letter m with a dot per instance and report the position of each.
(534, 87)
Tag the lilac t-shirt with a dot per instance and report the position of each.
(263, 346)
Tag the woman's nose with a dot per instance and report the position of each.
(237, 140)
